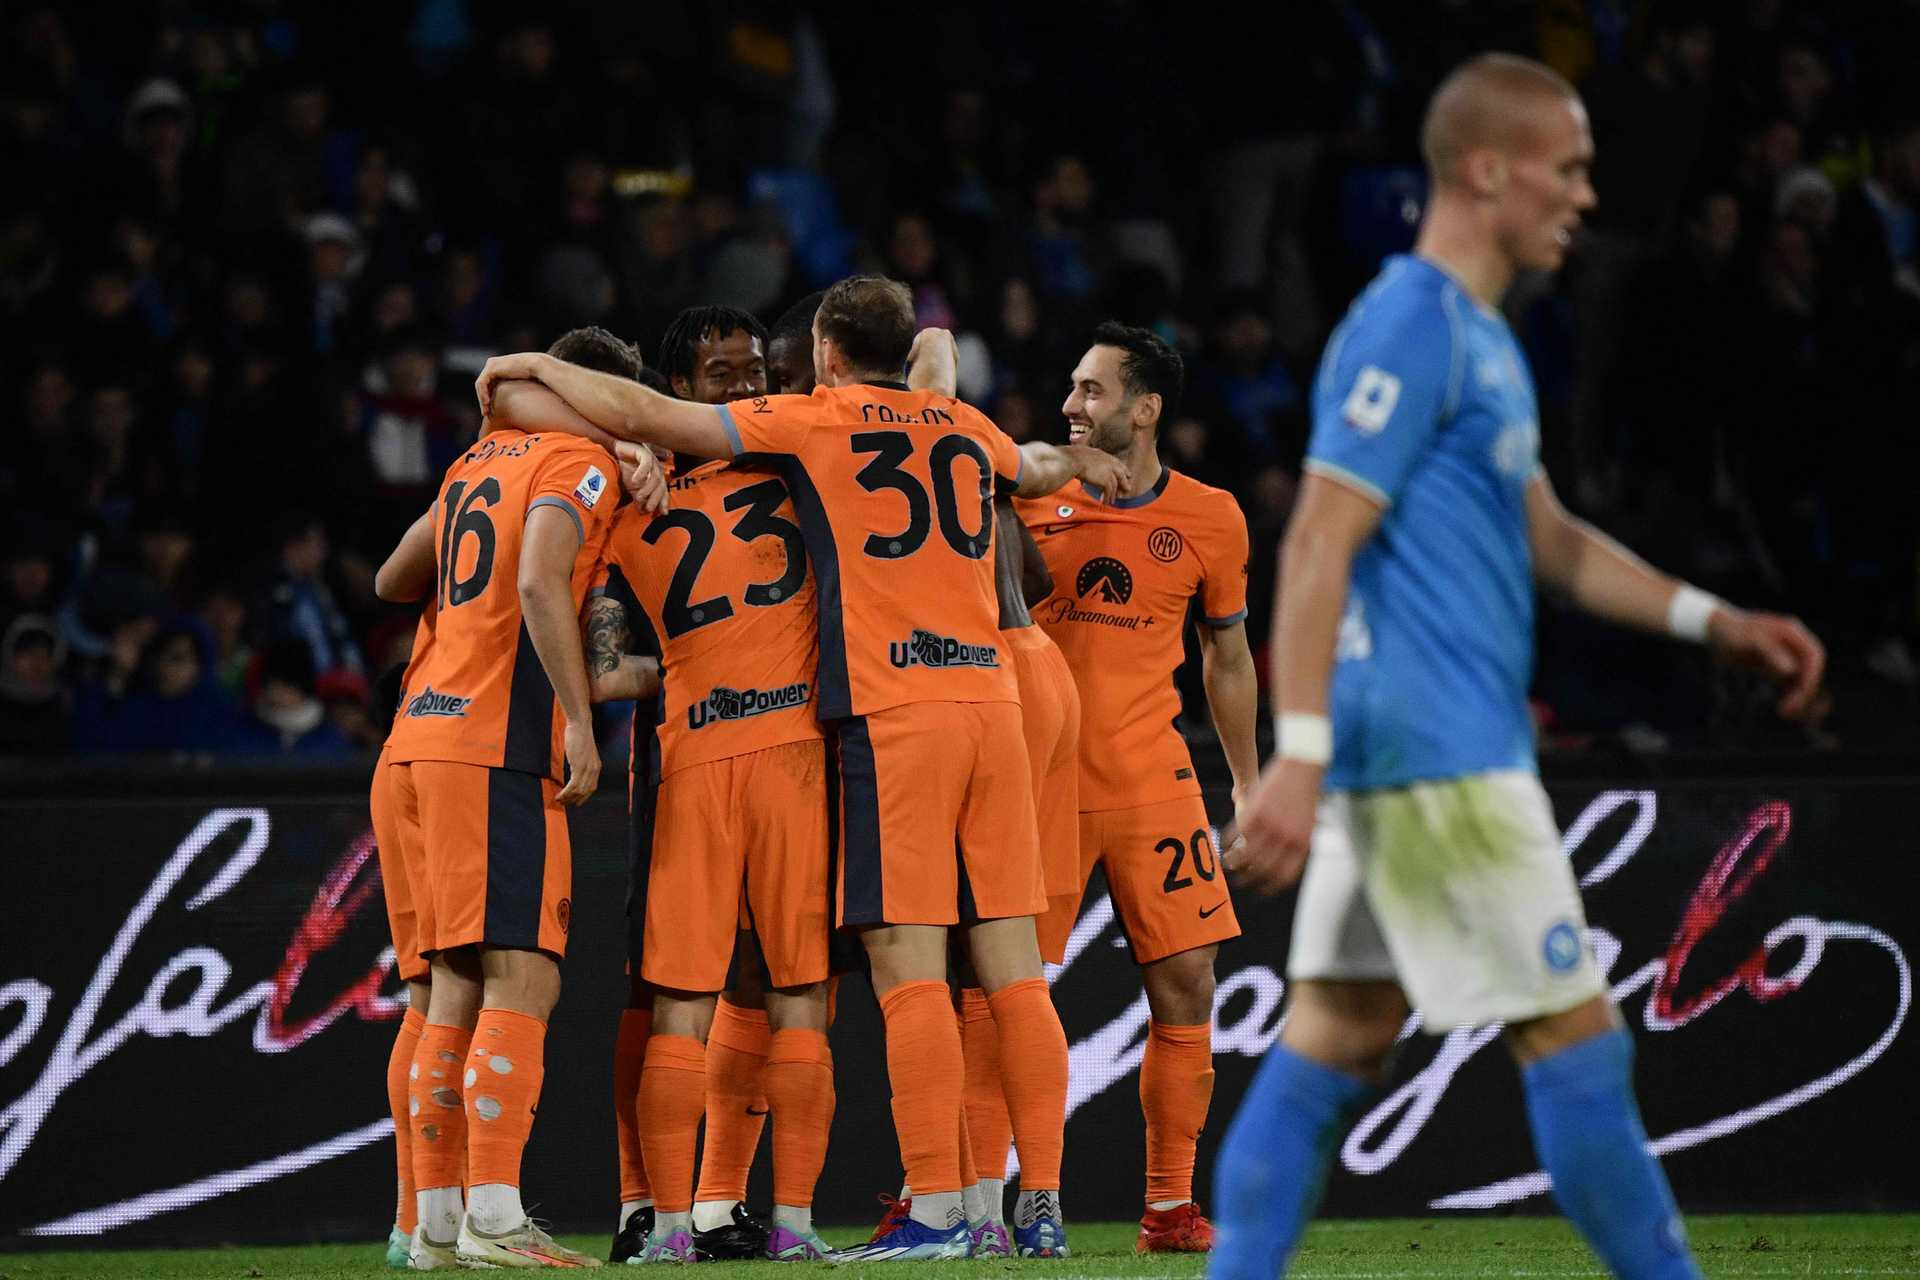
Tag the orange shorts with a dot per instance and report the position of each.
(390, 843)
(1050, 715)
(1163, 869)
(494, 862)
(936, 816)
(740, 842)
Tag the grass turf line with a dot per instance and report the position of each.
(1758, 1247)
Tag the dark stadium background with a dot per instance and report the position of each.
(252, 253)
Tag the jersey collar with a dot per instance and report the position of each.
(1138, 499)
(888, 384)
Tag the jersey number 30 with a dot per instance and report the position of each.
(890, 449)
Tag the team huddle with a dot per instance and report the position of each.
(913, 681)
(910, 681)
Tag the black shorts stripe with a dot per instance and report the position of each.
(516, 858)
(529, 745)
(834, 699)
(644, 786)
(859, 845)
(969, 910)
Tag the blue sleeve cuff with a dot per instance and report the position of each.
(573, 515)
(727, 425)
(1351, 479)
(1227, 621)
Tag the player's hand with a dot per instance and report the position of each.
(1232, 839)
(1272, 831)
(1776, 646)
(642, 476)
(934, 351)
(583, 763)
(521, 364)
(1100, 469)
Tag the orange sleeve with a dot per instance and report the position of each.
(582, 480)
(768, 424)
(618, 558)
(1223, 592)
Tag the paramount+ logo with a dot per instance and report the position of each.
(927, 649)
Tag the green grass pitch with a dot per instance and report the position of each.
(1732, 1246)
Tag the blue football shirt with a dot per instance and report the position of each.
(1425, 403)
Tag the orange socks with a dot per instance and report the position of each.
(736, 1104)
(673, 1094)
(989, 1127)
(1034, 1081)
(924, 1066)
(801, 1098)
(434, 1107)
(399, 1063)
(505, 1067)
(1176, 1086)
(629, 1051)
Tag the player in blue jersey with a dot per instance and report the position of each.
(1404, 635)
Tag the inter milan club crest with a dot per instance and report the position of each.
(1165, 544)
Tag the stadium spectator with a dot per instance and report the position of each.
(33, 700)
(169, 701)
(300, 608)
(287, 718)
(234, 226)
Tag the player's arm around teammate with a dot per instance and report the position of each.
(642, 416)
(614, 674)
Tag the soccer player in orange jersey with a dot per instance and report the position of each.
(495, 708)
(893, 490)
(709, 354)
(1125, 572)
(736, 795)
(406, 576)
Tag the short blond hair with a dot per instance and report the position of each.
(1486, 101)
(870, 318)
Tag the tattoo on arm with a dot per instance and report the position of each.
(606, 635)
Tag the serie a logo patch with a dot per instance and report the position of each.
(591, 486)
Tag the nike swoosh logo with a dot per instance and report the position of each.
(1207, 911)
(759, 1111)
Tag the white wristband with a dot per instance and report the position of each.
(1304, 736)
(1689, 612)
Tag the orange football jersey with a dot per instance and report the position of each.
(1123, 577)
(894, 491)
(481, 696)
(723, 578)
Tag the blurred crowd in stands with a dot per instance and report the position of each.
(253, 251)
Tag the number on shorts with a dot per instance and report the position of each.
(1199, 848)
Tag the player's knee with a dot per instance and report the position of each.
(523, 981)
(802, 1008)
(1003, 952)
(1534, 1038)
(898, 954)
(1351, 1027)
(1180, 987)
(683, 1013)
